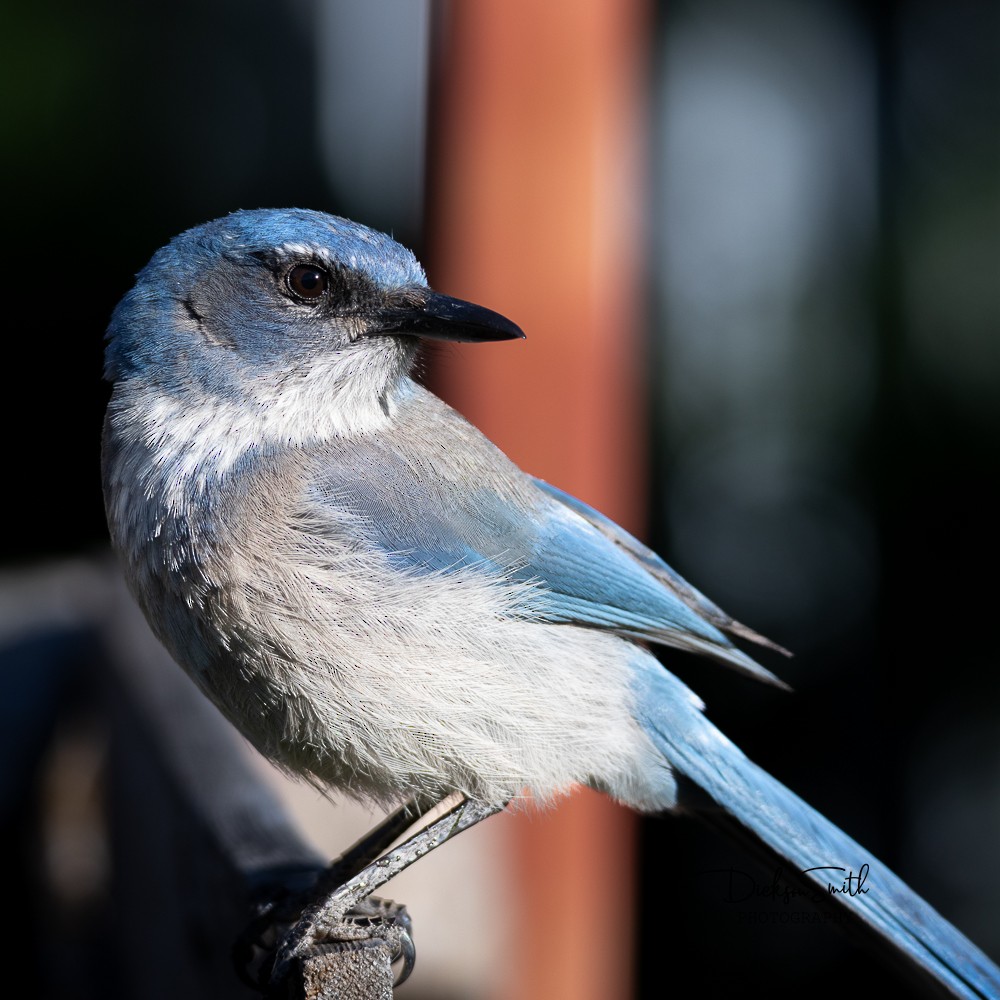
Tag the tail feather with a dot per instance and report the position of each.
(893, 918)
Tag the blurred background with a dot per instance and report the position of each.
(754, 246)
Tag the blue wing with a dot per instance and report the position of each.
(653, 564)
(585, 569)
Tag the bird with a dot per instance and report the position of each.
(386, 606)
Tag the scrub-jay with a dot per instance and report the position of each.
(383, 603)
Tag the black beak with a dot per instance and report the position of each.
(440, 317)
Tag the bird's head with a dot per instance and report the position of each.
(249, 306)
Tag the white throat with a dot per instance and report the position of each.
(200, 436)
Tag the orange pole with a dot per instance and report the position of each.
(535, 211)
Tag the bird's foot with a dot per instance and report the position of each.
(343, 910)
(282, 928)
(375, 919)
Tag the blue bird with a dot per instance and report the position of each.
(383, 603)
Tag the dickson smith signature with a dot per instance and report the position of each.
(741, 886)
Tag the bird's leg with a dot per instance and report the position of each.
(370, 846)
(277, 912)
(391, 918)
(344, 897)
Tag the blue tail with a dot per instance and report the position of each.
(905, 927)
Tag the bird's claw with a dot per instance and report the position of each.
(395, 919)
(373, 920)
(407, 952)
(380, 919)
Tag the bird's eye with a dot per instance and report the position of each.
(308, 281)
